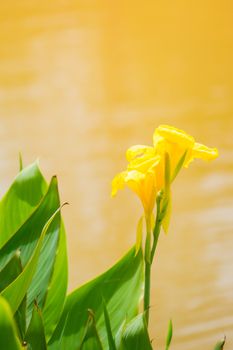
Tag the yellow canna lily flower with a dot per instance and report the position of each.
(153, 168)
(181, 149)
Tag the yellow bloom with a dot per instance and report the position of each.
(177, 143)
(151, 169)
(141, 179)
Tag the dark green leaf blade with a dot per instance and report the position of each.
(35, 335)
(10, 271)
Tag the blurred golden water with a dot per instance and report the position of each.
(80, 81)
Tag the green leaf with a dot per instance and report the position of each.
(91, 339)
(10, 272)
(179, 166)
(220, 344)
(40, 283)
(20, 201)
(121, 288)
(8, 332)
(25, 240)
(111, 342)
(35, 335)
(55, 297)
(22, 282)
(52, 265)
(135, 335)
(169, 334)
(119, 335)
(20, 319)
(7, 276)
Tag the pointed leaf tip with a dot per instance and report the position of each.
(169, 334)
(220, 344)
(20, 162)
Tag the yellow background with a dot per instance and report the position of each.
(80, 81)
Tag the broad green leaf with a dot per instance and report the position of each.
(22, 282)
(35, 335)
(121, 288)
(169, 335)
(55, 297)
(220, 344)
(8, 332)
(135, 335)
(20, 201)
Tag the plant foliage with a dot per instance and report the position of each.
(35, 311)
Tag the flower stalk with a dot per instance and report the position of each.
(150, 172)
(147, 258)
(151, 253)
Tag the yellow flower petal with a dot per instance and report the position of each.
(167, 217)
(118, 182)
(149, 189)
(133, 179)
(138, 151)
(174, 135)
(144, 164)
(204, 152)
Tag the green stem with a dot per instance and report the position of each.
(147, 269)
(149, 254)
(156, 233)
(157, 228)
(147, 291)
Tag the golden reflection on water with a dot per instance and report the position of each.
(80, 81)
